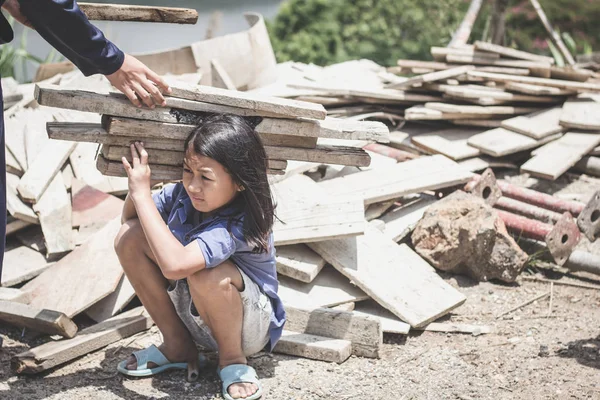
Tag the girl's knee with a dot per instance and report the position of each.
(127, 237)
(208, 280)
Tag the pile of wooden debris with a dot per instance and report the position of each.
(346, 205)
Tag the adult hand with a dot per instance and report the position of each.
(139, 82)
(139, 174)
(14, 9)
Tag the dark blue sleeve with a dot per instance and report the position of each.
(62, 24)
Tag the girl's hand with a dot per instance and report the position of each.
(139, 174)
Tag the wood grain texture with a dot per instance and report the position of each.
(414, 176)
(511, 53)
(557, 157)
(501, 142)
(372, 260)
(134, 13)
(299, 262)
(364, 332)
(449, 142)
(81, 278)
(39, 320)
(52, 354)
(537, 125)
(581, 113)
(558, 83)
(314, 347)
(22, 264)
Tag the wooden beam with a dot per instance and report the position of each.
(303, 216)
(75, 282)
(500, 142)
(123, 12)
(364, 332)
(314, 347)
(461, 35)
(556, 158)
(537, 90)
(537, 125)
(54, 212)
(299, 262)
(536, 81)
(117, 104)
(432, 77)
(39, 175)
(113, 303)
(95, 337)
(555, 36)
(414, 176)
(39, 320)
(220, 77)
(372, 260)
(270, 105)
(511, 53)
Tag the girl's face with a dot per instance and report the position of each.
(207, 182)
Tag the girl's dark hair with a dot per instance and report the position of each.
(233, 143)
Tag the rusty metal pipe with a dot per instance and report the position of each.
(561, 238)
(397, 154)
(527, 210)
(536, 198)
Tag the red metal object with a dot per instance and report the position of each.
(397, 154)
(561, 238)
(539, 199)
(527, 210)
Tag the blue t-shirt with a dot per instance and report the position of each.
(220, 238)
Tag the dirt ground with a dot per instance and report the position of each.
(532, 353)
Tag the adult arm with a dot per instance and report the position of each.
(62, 24)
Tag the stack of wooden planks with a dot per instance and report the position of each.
(289, 129)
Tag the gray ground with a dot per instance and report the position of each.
(531, 354)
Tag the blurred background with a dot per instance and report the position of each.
(329, 31)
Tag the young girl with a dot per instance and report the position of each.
(200, 256)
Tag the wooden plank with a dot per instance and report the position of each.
(376, 210)
(562, 155)
(511, 53)
(343, 155)
(15, 206)
(436, 66)
(123, 12)
(389, 322)
(113, 303)
(471, 93)
(418, 296)
(81, 278)
(414, 176)
(21, 264)
(420, 113)
(328, 289)
(269, 139)
(15, 225)
(537, 90)
(535, 68)
(449, 142)
(537, 125)
(84, 167)
(558, 83)
(432, 77)
(54, 212)
(220, 77)
(44, 169)
(440, 53)
(303, 216)
(15, 139)
(478, 110)
(400, 222)
(299, 262)
(91, 206)
(571, 74)
(261, 104)
(118, 105)
(55, 353)
(314, 347)
(12, 166)
(39, 320)
(14, 295)
(448, 327)
(163, 173)
(364, 332)
(482, 123)
(581, 113)
(500, 142)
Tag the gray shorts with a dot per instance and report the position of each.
(257, 311)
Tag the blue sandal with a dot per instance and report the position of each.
(239, 373)
(143, 357)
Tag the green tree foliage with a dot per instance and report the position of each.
(328, 31)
